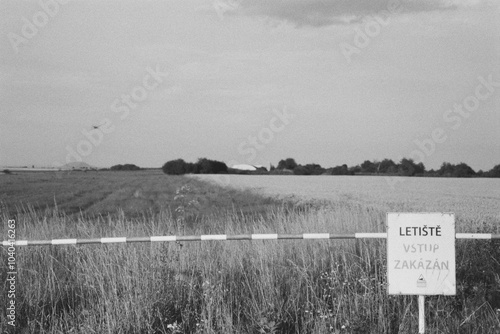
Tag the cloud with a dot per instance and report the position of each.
(317, 13)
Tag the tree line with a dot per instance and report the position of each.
(202, 166)
(288, 166)
(405, 167)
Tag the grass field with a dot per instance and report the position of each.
(221, 287)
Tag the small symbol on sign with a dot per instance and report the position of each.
(421, 282)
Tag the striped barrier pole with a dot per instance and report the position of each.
(224, 237)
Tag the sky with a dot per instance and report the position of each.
(329, 82)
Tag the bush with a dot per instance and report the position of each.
(207, 166)
(355, 169)
(494, 172)
(387, 166)
(460, 170)
(175, 167)
(125, 167)
(314, 169)
(309, 169)
(288, 163)
(281, 172)
(368, 167)
(341, 170)
(407, 167)
(300, 170)
(203, 166)
(463, 170)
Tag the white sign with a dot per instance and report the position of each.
(421, 253)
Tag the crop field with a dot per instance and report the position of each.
(468, 198)
(269, 286)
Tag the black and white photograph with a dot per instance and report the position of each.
(250, 166)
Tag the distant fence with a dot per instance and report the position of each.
(224, 237)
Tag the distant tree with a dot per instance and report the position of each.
(341, 170)
(463, 170)
(314, 169)
(175, 167)
(309, 169)
(125, 167)
(288, 163)
(392, 170)
(460, 170)
(407, 167)
(431, 173)
(195, 168)
(301, 170)
(368, 167)
(281, 172)
(494, 172)
(202, 166)
(207, 166)
(387, 166)
(446, 169)
(355, 169)
(191, 168)
(420, 170)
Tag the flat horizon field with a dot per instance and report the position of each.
(269, 286)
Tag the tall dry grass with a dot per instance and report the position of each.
(286, 286)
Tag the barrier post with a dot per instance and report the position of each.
(421, 314)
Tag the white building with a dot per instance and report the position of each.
(247, 167)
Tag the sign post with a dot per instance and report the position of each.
(421, 314)
(421, 256)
